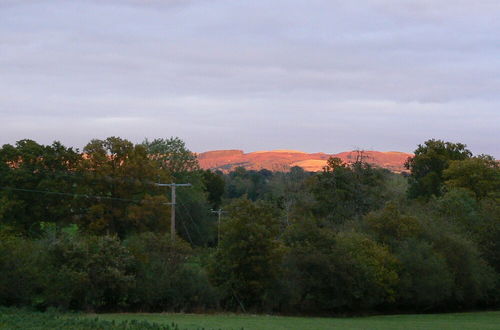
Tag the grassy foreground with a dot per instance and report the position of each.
(12, 318)
(480, 320)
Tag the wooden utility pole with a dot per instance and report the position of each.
(219, 213)
(172, 214)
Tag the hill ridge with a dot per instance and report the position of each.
(282, 160)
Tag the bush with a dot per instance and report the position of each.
(87, 272)
(426, 282)
(474, 280)
(390, 226)
(20, 269)
(165, 277)
(246, 264)
(343, 272)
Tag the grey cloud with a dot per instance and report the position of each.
(398, 71)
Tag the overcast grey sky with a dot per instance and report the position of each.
(261, 74)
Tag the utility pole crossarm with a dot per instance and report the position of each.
(173, 184)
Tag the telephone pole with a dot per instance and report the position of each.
(219, 213)
(172, 214)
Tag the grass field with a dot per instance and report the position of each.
(473, 321)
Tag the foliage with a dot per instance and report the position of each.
(119, 172)
(248, 183)
(488, 234)
(246, 262)
(20, 270)
(428, 164)
(389, 225)
(473, 279)
(28, 168)
(172, 155)
(167, 278)
(337, 272)
(426, 282)
(214, 187)
(90, 272)
(345, 191)
(194, 221)
(90, 231)
(460, 207)
(480, 175)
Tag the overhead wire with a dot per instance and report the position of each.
(195, 225)
(75, 195)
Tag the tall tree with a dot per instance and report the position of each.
(344, 191)
(37, 182)
(194, 221)
(247, 261)
(172, 155)
(214, 186)
(428, 164)
(481, 175)
(123, 175)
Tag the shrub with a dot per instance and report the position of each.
(20, 270)
(165, 277)
(87, 272)
(426, 281)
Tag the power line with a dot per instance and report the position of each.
(195, 225)
(74, 195)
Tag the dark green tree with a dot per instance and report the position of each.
(172, 155)
(246, 264)
(426, 282)
(330, 272)
(194, 221)
(166, 276)
(480, 175)
(344, 191)
(37, 182)
(428, 164)
(390, 226)
(214, 186)
(123, 175)
(86, 272)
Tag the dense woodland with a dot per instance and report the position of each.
(89, 230)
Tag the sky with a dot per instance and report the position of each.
(311, 75)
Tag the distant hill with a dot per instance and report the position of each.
(282, 160)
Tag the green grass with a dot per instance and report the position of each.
(473, 321)
(14, 318)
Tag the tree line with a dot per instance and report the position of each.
(89, 230)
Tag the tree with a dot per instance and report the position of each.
(166, 278)
(325, 271)
(345, 191)
(246, 264)
(426, 282)
(37, 184)
(195, 224)
(172, 155)
(473, 279)
(480, 175)
(214, 186)
(123, 176)
(86, 272)
(390, 226)
(428, 164)
(289, 191)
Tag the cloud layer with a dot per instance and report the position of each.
(311, 75)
